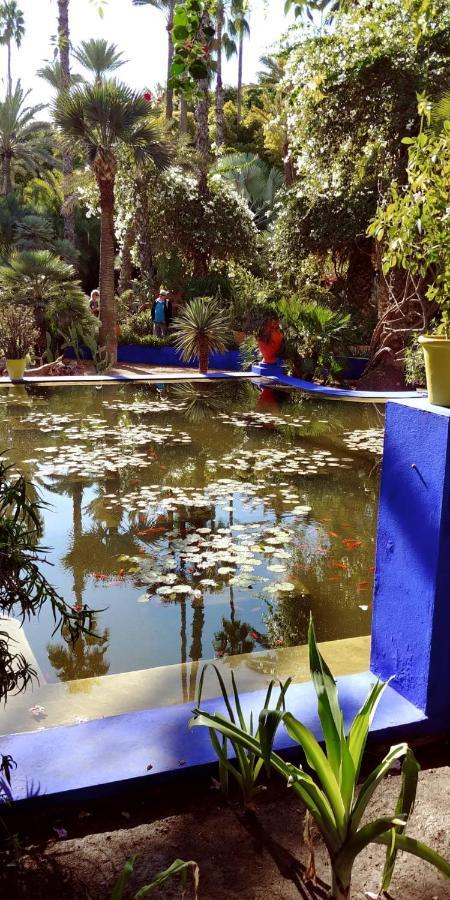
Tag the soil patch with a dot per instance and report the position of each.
(253, 857)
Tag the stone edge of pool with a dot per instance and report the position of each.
(105, 754)
(268, 373)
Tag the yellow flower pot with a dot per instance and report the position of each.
(436, 349)
(16, 368)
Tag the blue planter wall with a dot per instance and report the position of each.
(165, 356)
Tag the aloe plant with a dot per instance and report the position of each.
(246, 770)
(330, 793)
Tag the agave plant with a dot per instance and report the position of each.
(201, 328)
(330, 793)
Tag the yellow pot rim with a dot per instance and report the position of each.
(434, 340)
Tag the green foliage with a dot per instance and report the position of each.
(98, 57)
(201, 229)
(415, 365)
(314, 335)
(45, 282)
(330, 792)
(351, 95)
(26, 143)
(95, 119)
(192, 36)
(255, 181)
(202, 327)
(138, 329)
(413, 222)
(247, 767)
(179, 867)
(18, 332)
(24, 590)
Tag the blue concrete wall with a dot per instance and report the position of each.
(411, 616)
(166, 356)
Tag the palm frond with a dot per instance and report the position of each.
(201, 324)
(103, 115)
(99, 57)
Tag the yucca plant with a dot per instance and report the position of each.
(179, 867)
(201, 328)
(330, 792)
(246, 770)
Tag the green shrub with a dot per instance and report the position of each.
(415, 364)
(138, 329)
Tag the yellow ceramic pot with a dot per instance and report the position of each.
(436, 349)
(16, 368)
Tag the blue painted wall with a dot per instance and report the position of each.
(165, 356)
(411, 617)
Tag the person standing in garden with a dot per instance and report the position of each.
(161, 313)
(94, 302)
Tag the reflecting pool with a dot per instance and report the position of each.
(197, 520)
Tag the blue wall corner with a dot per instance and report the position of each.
(411, 616)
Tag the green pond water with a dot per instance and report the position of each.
(199, 521)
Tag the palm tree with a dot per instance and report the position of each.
(98, 119)
(42, 280)
(255, 180)
(12, 28)
(99, 57)
(53, 73)
(201, 328)
(167, 7)
(25, 143)
(220, 21)
(239, 27)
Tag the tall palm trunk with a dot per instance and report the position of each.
(6, 174)
(142, 224)
(126, 268)
(169, 90)
(183, 116)
(240, 68)
(219, 82)
(201, 118)
(64, 59)
(9, 69)
(105, 169)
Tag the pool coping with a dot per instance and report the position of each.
(106, 754)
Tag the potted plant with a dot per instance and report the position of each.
(201, 328)
(18, 336)
(263, 323)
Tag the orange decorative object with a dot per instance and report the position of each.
(270, 341)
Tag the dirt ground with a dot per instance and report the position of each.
(236, 856)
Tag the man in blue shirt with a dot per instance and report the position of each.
(161, 313)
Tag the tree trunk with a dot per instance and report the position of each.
(202, 130)
(64, 59)
(105, 168)
(219, 83)
(183, 116)
(360, 275)
(9, 70)
(240, 66)
(169, 90)
(6, 174)
(203, 359)
(126, 269)
(142, 225)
